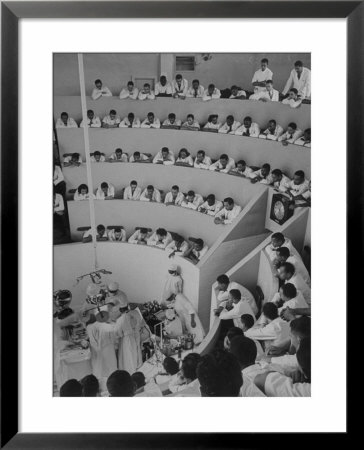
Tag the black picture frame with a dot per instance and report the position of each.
(11, 12)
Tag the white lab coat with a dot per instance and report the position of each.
(271, 251)
(125, 93)
(103, 92)
(71, 123)
(156, 196)
(229, 216)
(211, 210)
(278, 385)
(102, 342)
(197, 201)
(167, 162)
(129, 195)
(128, 328)
(154, 242)
(254, 130)
(226, 128)
(205, 164)
(274, 333)
(222, 296)
(172, 285)
(238, 309)
(302, 84)
(229, 166)
(249, 389)
(95, 122)
(184, 309)
(177, 201)
(125, 123)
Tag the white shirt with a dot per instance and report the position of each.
(271, 251)
(258, 173)
(154, 242)
(100, 195)
(194, 125)
(129, 195)
(102, 159)
(254, 130)
(211, 210)
(299, 189)
(267, 134)
(238, 309)
(238, 94)
(249, 389)
(160, 89)
(283, 185)
(205, 164)
(176, 123)
(212, 126)
(217, 165)
(302, 84)
(188, 160)
(146, 96)
(201, 253)
(57, 175)
(226, 128)
(103, 92)
(111, 236)
(89, 233)
(78, 197)
(108, 121)
(198, 94)
(262, 76)
(159, 158)
(125, 93)
(58, 203)
(142, 158)
(222, 296)
(146, 124)
(124, 157)
(274, 333)
(181, 89)
(197, 201)
(296, 302)
(291, 138)
(278, 385)
(303, 142)
(125, 123)
(177, 201)
(300, 268)
(300, 285)
(95, 122)
(70, 123)
(206, 96)
(136, 236)
(247, 172)
(155, 197)
(172, 247)
(291, 102)
(272, 96)
(68, 159)
(229, 216)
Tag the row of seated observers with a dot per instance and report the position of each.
(248, 128)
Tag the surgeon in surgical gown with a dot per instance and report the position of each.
(173, 283)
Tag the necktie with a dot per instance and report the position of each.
(195, 93)
(247, 132)
(230, 128)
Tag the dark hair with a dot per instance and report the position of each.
(248, 118)
(90, 386)
(120, 384)
(244, 349)
(233, 332)
(130, 83)
(211, 197)
(171, 116)
(178, 76)
(269, 81)
(283, 251)
(146, 85)
(304, 357)
(97, 153)
(190, 193)
(136, 154)
(211, 86)
(143, 230)
(247, 320)
(100, 227)
(264, 60)
(224, 156)
(298, 63)
(230, 117)
(183, 150)
(288, 267)
(82, 186)
(266, 166)
(233, 87)
(117, 230)
(242, 162)
(278, 236)
(139, 379)
(223, 279)
(195, 81)
(270, 310)
(170, 365)
(211, 117)
(75, 155)
(98, 81)
(64, 114)
(175, 187)
(133, 182)
(229, 200)
(161, 232)
(301, 326)
(163, 77)
(165, 149)
(104, 185)
(71, 388)
(201, 152)
(190, 115)
(131, 115)
(235, 293)
(90, 111)
(150, 114)
(112, 111)
(277, 172)
(300, 173)
(189, 365)
(219, 375)
(289, 290)
(294, 90)
(150, 187)
(199, 242)
(118, 150)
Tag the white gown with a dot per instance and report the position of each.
(173, 285)
(128, 328)
(184, 309)
(102, 342)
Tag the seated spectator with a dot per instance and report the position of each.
(179, 87)
(178, 246)
(219, 375)
(132, 192)
(171, 121)
(230, 126)
(212, 123)
(105, 191)
(288, 274)
(283, 254)
(71, 388)
(291, 135)
(100, 91)
(247, 322)
(300, 78)
(292, 100)
(305, 140)
(82, 193)
(262, 175)
(58, 204)
(237, 93)
(224, 164)
(249, 128)
(140, 237)
(100, 234)
(191, 123)
(197, 251)
(245, 351)
(58, 180)
(160, 238)
(129, 92)
(162, 88)
(278, 240)
(300, 188)
(112, 120)
(280, 181)
(171, 368)
(90, 386)
(118, 156)
(234, 307)
(117, 234)
(97, 157)
(211, 93)
(151, 121)
(139, 381)
(262, 75)
(228, 213)
(150, 194)
(196, 90)
(187, 377)
(274, 332)
(164, 156)
(184, 158)
(146, 93)
(224, 286)
(202, 161)
(192, 200)
(92, 120)
(130, 122)
(120, 384)
(138, 157)
(143, 389)
(273, 131)
(211, 206)
(241, 169)
(256, 93)
(268, 95)
(66, 122)
(288, 297)
(274, 384)
(174, 197)
(72, 160)
(233, 332)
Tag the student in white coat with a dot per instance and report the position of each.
(165, 157)
(130, 121)
(102, 343)
(179, 87)
(249, 128)
(228, 213)
(100, 91)
(278, 240)
(178, 246)
(211, 206)
(283, 254)
(291, 135)
(160, 238)
(280, 181)
(292, 100)
(146, 93)
(129, 92)
(237, 93)
(299, 189)
(174, 197)
(202, 161)
(288, 297)
(241, 170)
(116, 234)
(272, 132)
(267, 95)
(118, 156)
(140, 237)
(234, 307)
(151, 121)
(211, 93)
(230, 126)
(212, 123)
(163, 88)
(92, 121)
(262, 75)
(263, 175)
(196, 90)
(224, 164)
(192, 200)
(133, 191)
(287, 273)
(171, 121)
(82, 193)
(150, 194)
(224, 285)
(184, 158)
(173, 284)
(197, 250)
(66, 122)
(300, 79)
(305, 140)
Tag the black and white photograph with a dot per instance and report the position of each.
(181, 224)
